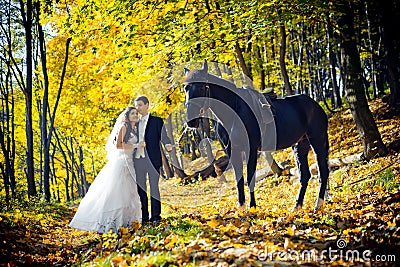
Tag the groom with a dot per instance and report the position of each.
(148, 160)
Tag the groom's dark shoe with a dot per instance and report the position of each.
(145, 221)
(156, 220)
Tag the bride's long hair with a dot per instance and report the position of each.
(128, 125)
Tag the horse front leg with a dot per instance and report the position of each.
(237, 164)
(251, 175)
(300, 151)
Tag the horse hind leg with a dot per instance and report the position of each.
(251, 175)
(300, 151)
(320, 147)
(237, 164)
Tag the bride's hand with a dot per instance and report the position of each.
(168, 147)
(142, 144)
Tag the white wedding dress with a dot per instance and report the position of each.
(112, 200)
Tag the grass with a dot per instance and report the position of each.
(388, 180)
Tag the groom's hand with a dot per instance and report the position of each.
(168, 147)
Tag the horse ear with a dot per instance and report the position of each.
(186, 71)
(205, 66)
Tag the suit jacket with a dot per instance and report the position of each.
(155, 132)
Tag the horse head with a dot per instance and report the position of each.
(197, 92)
(206, 91)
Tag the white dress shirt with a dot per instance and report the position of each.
(142, 130)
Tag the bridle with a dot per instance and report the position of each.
(206, 105)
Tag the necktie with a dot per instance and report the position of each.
(140, 150)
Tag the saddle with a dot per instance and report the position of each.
(263, 108)
(262, 105)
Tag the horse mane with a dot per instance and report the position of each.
(203, 76)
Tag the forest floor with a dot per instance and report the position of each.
(202, 225)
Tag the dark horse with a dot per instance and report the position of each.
(295, 121)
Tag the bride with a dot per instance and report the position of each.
(112, 200)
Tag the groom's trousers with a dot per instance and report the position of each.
(144, 168)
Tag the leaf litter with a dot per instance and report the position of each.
(359, 223)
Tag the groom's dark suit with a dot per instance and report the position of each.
(150, 165)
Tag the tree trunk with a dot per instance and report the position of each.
(165, 165)
(261, 68)
(373, 42)
(299, 63)
(173, 157)
(7, 121)
(47, 130)
(272, 84)
(242, 62)
(366, 126)
(45, 106)
(205, 134)
(193, 146)
(310, 64)
(27, 22)
(391, 39)
(7, 134)
(82, 172)
(66, 179)
(248, 51)
(53, 172)
(71, 154)
(337, 100)
(6, 182)
(282, 62)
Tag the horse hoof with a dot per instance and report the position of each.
(297, 208)
(319, 205)
(222, 179)
(242, 207)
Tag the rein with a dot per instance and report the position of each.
(203, 109)
(206, 104)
